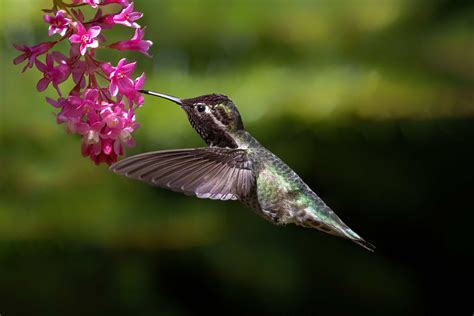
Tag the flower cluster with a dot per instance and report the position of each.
(101, 105)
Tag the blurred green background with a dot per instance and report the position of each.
(371, 102)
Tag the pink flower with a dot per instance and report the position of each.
(86, 38)
(60, 59)
(92, 135)
(57, 104)
(127, 17)
(133, 95)
(135, 43)
(102, 151)
(111, 117)
(58, 24)
(80, 70)
(127, 128)
(93, 145)
(120, 124)
(76, 107)
(96, 145)
(88, 104)
(93, 109)
(56, 75)
(31, 53)
(120, 77)
(92, 3)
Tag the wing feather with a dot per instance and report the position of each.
(214, 173)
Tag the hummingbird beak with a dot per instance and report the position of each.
(164, 96)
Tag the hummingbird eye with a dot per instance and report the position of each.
(201, 107)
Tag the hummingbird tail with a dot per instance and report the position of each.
(367, 245)
(336, 228)
(341, 230)
(349, 233)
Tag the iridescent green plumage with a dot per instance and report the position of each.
(235, 167)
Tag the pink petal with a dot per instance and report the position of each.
(107, 68)
(113, 89)
(42, 67)
(63, 31)
(97, 148)
(19, 59)
(49, 61)
(74, 51)
(144, 46)
(107, 148)
(28, 65)
(140, 99)
(42, 48)
(63, 74)
(83, 49)
(81, 128)
(42, 84)
(135, 16)
(139, 82)
(75, 38)
(94, 31)
(121, 62)
(85, 150)
(129, 68)
(117, 148)
(127, 10)
(51, 30)
(125, 85)
(59, 57)
(20, 47)
(53, 102)
(91, 94)
(94, 44)
(78, 71)
(120, 45)
(97, 126)
(138, 34)
(80, 28)
(126, 23)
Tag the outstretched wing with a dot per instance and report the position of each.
(213, 173)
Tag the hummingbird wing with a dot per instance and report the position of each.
(212, 173)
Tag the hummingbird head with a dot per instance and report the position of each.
(213, 116)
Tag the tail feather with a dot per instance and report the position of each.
(341, 230)
(349, 233)
(367, 245)
(319, 216)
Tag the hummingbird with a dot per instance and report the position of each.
(234, 166)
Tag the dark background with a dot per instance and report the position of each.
(371, 102)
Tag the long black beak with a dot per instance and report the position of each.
(164, 96)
